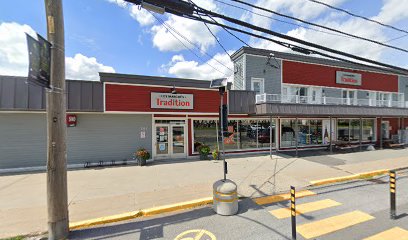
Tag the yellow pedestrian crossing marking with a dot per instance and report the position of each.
(305, 208)
(328, 225)
(282, 197)
(391, 234)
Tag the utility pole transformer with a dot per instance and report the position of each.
(57, 196)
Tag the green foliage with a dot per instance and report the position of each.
(142, 154)
(204, 150)
(216, 154)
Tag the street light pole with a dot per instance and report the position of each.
(57, 196)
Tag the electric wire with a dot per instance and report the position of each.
(282, 21)
(320, 26)
(389, 68)
(195, 45)
(216, 39)
(160, 21)
(203, 11)
(359, 16)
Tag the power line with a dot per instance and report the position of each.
(282, 21)
(195, 45)
(202, 60)
(200, 10)
(397, 70)
(216, 39)
(192, 9)
(321, 26)
(359, 16)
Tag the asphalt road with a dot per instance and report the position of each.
(364, 205)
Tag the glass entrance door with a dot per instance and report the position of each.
(162, 140)
(170, 141)
(178, 146)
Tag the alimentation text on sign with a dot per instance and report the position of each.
(172, 101)
(348, 78)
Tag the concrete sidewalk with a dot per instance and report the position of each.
(100, 192)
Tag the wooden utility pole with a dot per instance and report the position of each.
(57, 197)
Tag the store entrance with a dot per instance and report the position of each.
(170, 139)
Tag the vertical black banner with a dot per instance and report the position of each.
(39, 56)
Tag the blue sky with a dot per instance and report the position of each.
(106, 35)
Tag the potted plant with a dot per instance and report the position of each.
(216, 154)
(142, 155)
(204, 150)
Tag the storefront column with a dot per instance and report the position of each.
(296, 136)
(361, 133)
(381, 133)
(331, 135)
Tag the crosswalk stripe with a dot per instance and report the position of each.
(305, 208)
(331, 224)
(390, 234)
(282, 197)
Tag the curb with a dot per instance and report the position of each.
(141, 213)
(348, 178)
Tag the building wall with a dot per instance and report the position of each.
(238, 83)
(133, 98)
(258, 67)
(403, 86)
(312, 74)
(96, 137)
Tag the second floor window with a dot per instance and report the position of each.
(257, 85)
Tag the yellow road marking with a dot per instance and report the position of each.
(391, 234)
(282, 197)
(196, 234)
(305, 208)
(328, 225)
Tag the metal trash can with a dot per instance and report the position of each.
(225, 197)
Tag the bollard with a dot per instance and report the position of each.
(393, 184)
(293, 210)
(225, 197)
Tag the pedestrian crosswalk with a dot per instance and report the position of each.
(320, 228)
(391, 234)
(331, 224)
(305, 208)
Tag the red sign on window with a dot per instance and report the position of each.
(71, 120)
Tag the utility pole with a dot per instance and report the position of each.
(57, 196)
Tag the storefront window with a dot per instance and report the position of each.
(343, 129)
(242, 134)
(231, 142)
(309, 132)
(316, 132)
(288, 133)
(355, 130)
(247, 134)
(264, 133)
(368, 130)
(303, 134)
(205, 132)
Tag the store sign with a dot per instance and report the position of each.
(71, 120)
(348, 78)
(172, 101)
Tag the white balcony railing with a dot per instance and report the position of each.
(277, 98)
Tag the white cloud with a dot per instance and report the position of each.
(14, 55)
(192, 30)
(84, 68)
(139, 14)
(13, 48)
(182, 68)
(301, 9)
(393, 11)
